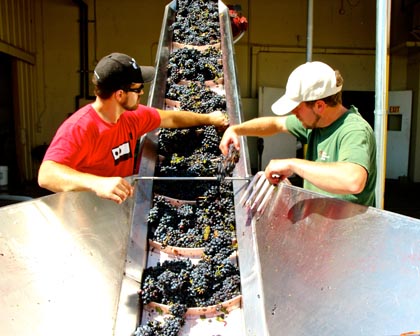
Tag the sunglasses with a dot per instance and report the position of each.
(136, 90)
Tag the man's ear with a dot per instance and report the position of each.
(119, 94)
(320, 106)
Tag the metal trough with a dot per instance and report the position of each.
(322, 266)
(62, 260)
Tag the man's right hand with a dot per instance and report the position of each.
(229, 137)
(116, 189)
(219, 119)
(57, 177)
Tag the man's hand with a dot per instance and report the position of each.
(278, 170)
(116, 189)
(229, 137)
(219, 119)
(332, 177)
(57, 177)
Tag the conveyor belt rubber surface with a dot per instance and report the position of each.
(141, 254)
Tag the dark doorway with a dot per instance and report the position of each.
(7, 124)
(364, 101)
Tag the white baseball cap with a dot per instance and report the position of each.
(308, 82)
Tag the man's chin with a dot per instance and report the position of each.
(132, 108)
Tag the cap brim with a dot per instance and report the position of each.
(148, 73)
(284, 106)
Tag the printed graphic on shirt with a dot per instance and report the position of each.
(121, 153)
(323, 156)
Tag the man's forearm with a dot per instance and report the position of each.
(336, 177)
(183, 119)
(57, 177)
(263, 126)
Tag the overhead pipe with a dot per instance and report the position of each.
(383, 18)
(310, 28)
(83, 53)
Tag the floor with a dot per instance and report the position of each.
(401, 196)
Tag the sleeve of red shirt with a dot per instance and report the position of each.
(146, 119)
(67, 145)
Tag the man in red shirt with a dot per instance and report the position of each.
(94, 148)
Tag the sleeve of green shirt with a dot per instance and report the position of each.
(355, 147)
(295, 127)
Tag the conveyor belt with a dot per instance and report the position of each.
(139, 255)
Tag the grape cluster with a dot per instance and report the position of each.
(203, 100)
(197, 164)
(227, 164)
(212, 218)
(189, 141)
(170, 326)
(196, 97)
(211, 281)
(177, 140)
(196, 22)
(194, 65)
(209, 223)
(216, 209)
(187, 153)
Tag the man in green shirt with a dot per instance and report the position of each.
(341, 150)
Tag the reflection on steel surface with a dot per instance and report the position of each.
(62, 260)
(330, 267)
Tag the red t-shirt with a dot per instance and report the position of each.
(89, 144)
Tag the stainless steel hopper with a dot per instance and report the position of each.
(62, 259)
(323, 266)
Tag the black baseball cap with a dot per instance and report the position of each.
(117, 70)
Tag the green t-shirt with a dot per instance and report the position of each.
(349, 139)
